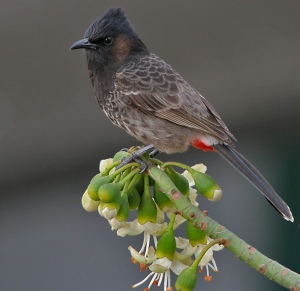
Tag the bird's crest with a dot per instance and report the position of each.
(112, 22)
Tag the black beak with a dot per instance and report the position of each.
(83, 43)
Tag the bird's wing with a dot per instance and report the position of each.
(156, 89)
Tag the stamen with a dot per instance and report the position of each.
(143, 281)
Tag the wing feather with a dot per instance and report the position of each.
(155, 88)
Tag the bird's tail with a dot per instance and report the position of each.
(255, 177)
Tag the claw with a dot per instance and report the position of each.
(154, 152)
(135, 157)
(143, 165)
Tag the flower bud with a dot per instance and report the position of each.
(139, 184)
(147, 210)
(206, 186)
(161, 199)
(95, 184)
(187, 279)
(166, 245)
(124, 210)
(104, 164)
(195, 235)
(179, 181)
(109, 210)
(88, 204)
(134, 198)
(120, 155)
(108, 192)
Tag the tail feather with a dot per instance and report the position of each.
(255, 177)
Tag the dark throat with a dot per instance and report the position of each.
(102, 72)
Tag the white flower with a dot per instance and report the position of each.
(160, 265)
(131, 228)
(106, 212)
(88, 204)
(199, 167)
(158, 278)
(193, 196)
(160, 270)
(193, 193)
(104, 164)
(142, 259)
(135, 228)
(189, 250)
(116, 224)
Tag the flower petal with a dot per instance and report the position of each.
(160, 265)
(104, 164)
(133, 228)
(177, 267)
(141, 258)
(106, 213)
(116, 224)
(193, 195)
(181, 242)
(88, 204)
(155, 229)
(198, 167)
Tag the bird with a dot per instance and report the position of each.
(142, 94)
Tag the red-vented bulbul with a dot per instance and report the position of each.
(142, 94)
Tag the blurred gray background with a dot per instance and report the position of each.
(244, 56)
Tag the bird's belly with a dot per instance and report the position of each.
(164, 135)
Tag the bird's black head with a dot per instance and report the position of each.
(110, 39)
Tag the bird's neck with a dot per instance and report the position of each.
(102, 73)
(102, 76)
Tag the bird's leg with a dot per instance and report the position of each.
(136, 157)
(153, 153)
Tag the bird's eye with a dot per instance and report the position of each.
(108, 40)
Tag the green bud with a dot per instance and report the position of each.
(147, 211)
(134, 198)
(124, 210)
(139, 184)
(195, 235)
(108, 192)
(187, 279)
(96, 183)
(97, 177)
(166, 245)
(160, 198)
(206, 186)
(179, 181)
(120, 155)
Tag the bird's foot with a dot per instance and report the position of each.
(135, 156)
(153, 153)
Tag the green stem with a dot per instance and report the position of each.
(129, 176)
(133, 181)
(107, 170)
(207, 247)
(146, 185)
(156, 161)
(177, 164)
(171, 222)
(117, 172)
(248, 254)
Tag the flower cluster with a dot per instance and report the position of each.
(116, 192)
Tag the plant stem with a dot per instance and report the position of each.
(248, 254)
